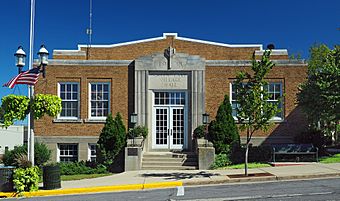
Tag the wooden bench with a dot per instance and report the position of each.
(295, 149)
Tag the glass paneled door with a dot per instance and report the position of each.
(169, 120)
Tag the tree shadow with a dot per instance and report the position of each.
(181, 175)
(285, 132)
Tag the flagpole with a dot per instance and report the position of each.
(30, 119)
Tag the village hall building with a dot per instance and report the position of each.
(168, 81)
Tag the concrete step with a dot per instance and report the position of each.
(169, 163)
(153, 167)
(169, 155)
(159, 159)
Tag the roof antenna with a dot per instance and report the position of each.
(89, 32)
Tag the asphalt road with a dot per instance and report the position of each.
(318, 189)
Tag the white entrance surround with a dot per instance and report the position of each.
(169, 121)
(169, 72)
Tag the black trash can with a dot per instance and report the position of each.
(51, 177)
(6, 178)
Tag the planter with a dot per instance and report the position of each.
(51, 177)
(6, 178)
(201, 142)
(137, 142)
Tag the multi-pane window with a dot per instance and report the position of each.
(274, 91)
(69, 94)
(68, 152)
(234, 104)
(99, 100)
(169, 98)
(92, 152)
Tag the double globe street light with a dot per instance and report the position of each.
(20, 57)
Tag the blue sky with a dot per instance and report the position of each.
(61, 24)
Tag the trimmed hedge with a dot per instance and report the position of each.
(81, 168)
(256, 154)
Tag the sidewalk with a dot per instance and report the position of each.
(148, 179)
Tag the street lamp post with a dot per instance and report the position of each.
(20, 56)
(205, 121)
(133, 121)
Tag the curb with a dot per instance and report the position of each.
(311, 176)
(99, 189)
(227, 180)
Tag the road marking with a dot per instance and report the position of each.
(259, 197)
(322, 193)
(180, 190)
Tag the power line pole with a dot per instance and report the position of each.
(89, 32)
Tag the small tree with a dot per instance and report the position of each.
(112, 139)
(254, 111)
(223, 131)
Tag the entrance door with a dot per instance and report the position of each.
(169, 121)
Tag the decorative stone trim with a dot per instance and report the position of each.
(67, 120)
(94, 120)
(232, 63)
(60, 63)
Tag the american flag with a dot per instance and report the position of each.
(29, 77)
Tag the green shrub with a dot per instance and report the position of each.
(199, 132)
(221, 160)
(223, 131)
(138, 131)
(260, 154)
(317, 138)
(112, 140)
(10, 156)
(41, 154)
(26, 179)
(81, 168)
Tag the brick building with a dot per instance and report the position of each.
(169, 82)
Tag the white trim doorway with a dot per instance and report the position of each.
(169, 120)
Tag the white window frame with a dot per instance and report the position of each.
(231, 99)
(89, 98)
(275, 118)
(78, 100)
(70, 156)
(90, 152)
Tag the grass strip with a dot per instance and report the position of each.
(331, 159)
(82, 176)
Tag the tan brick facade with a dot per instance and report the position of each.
(122, 82)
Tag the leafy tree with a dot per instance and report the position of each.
(254, 111)
(223, 131)
(319, 96)
(111, 140)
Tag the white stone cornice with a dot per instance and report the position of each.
(232, 63)
(60, 62)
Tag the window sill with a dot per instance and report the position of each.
(67, 120)
(95, 120)
(275, 121)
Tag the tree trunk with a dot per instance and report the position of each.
(246, 160)
(246, 154)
